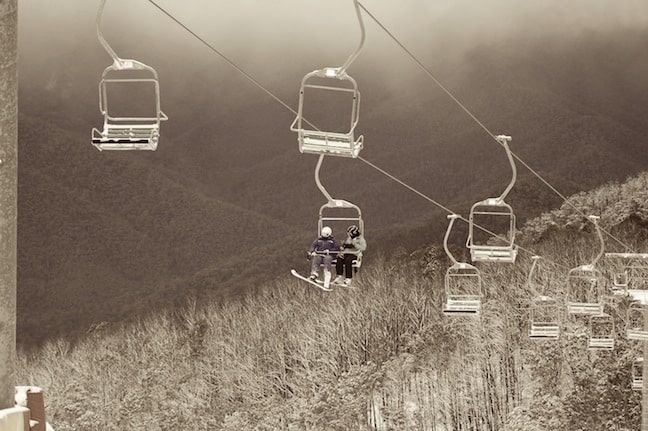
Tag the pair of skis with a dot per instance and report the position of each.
(316, 283)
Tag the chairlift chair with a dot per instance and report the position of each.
(132, 132)
(310, 138)
(329, 215)
(636, 329)
(463, 284)
(637, 275)
(584, 291)
(637, 374)
(495, 211)
(585, 283)
(128, 132)
(620, 283)
(601, 327)
(545, 319)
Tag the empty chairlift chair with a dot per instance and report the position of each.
(127, 127)
(330, 80)
(601, 332)
(496, 244)
(632, 279)
(544, 311)
(637, 374)
(463, 284)
(637, 328)
(585, 284)
(620, 283)
(338, 143)
(545, 321)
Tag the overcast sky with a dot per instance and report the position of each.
(283, 24)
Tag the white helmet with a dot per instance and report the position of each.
(327, 231)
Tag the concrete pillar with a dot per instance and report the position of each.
(8, 196)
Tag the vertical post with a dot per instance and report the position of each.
(8, 196)
(644, 375)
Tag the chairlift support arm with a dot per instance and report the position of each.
(452, 218)
(533, 266)
(504, 140)
(320, 186)
(354, 54)
(594, 219)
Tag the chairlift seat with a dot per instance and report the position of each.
(485, 253)
(637, 334)
(544, 331)
(126, 137)
(466, 305)
(336, 144)
(600, 343)
(585, 308)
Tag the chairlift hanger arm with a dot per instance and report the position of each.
(504, 140)
(594, 219)
(354, 55)
(118, 62)
(533, 266)
(102, 40)
(320, 186)
(452, 218)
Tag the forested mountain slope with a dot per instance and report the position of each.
(228, 176)
(102, 236)
(379, 356)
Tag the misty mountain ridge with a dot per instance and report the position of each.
(98, 232)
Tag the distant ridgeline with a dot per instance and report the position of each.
(620, 205)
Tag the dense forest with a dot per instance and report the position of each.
(380, 356)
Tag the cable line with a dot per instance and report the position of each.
(223, 56)
(471, 115)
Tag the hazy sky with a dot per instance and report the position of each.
(282, 24)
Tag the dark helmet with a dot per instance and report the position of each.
(353, 231)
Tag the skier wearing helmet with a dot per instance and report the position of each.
(323, 251)
(354, 245)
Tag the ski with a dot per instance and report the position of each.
(308, 280)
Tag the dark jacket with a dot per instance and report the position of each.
(323, 243)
